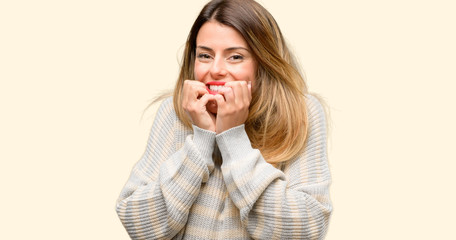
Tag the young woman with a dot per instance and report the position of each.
(239, 150)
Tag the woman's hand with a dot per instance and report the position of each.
(194, 101)
(233, 106)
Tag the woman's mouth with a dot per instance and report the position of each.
(215, 87)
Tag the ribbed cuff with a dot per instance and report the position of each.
(204, 141)
(234, 144)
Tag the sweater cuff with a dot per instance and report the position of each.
(204, 141)
(234, 144)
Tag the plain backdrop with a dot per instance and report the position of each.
(76, 78)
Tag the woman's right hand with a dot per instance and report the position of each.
(194, 101)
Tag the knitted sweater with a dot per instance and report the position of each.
(177, 190)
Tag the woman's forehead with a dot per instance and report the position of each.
(213, 34)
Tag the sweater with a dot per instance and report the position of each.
(178, 189)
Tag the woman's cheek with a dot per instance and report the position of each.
(242, 73)
(236, 74)
(200, 72)
(197, 71)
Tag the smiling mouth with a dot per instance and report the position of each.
(215, 87)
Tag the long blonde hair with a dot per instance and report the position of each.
(277, 121)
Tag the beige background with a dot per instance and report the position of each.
(75, 77)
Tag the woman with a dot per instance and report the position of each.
(239, 151)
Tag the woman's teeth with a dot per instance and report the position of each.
(216, 88)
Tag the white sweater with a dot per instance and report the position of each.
(176, 191)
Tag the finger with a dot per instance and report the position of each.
(246, 93)
(221, 103)
(194, 82)
(193, 90)
(185, 94)
(232, 92)
(205, 99)
(198, 87)
(228, 94)
(241, 93)
(244, 98)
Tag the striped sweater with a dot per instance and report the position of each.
(178, 189)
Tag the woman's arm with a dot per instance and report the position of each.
(163, 185)
(293, 204)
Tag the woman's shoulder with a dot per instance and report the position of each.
(317, 116)
(166, 104)
(167, 101)
(165, 110)
(315, 106)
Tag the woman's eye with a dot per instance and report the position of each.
(204, 56)
(237, 57)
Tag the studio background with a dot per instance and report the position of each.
(77, 76)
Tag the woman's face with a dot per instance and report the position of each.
(222, 55)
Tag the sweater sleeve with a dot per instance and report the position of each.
(293, 204)
(155, 201)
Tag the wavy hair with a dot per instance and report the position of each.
(277, 121)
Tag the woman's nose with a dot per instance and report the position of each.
(218, 68)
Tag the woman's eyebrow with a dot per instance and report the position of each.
(205, 48)
(237, 48)
(228, 49)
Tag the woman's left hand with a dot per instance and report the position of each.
(233, 106)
